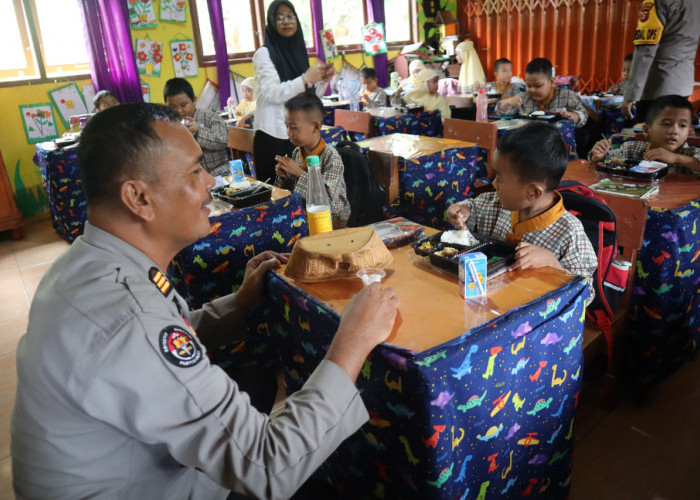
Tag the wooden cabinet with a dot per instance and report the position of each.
(10, 216)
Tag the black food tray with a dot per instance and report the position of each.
(499, 254)
(623, 170)
(253, 195)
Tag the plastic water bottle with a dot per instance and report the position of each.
(318, 205)
(482, 105)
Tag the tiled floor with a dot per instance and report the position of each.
(649, 451)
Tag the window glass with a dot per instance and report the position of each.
(398, 21)
(62, 37)
(346, 18)
(303, 8)
(14, 62)
(237, 26)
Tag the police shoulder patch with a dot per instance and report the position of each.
(179, 347)
(649, 26)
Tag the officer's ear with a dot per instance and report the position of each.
(137, 197)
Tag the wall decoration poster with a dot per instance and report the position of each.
(330, 50)
(149, 55)
(89, 96)
(184, 61)
(39, 122)
(68, 101)
(142, 14)
(146, 92)
(373, 39)
(173, 10)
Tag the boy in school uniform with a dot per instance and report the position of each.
(503, 69)
(669, 121)
(619, 87)
(303, 116)
(207, 127)
(525, 209)
(371, 96)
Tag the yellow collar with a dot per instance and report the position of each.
(544, 103)
(545, 219)
(320, 147)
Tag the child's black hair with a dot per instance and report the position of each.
(176, 86)
(500, 61)
(537, 151)
(101, 95)
(310, 104)
(368, 73)
(628, 57)
(540, 65)
(667, 101)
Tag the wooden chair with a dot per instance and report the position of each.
(484, 134)
(354, 121)
(240, 140)
(386, 170)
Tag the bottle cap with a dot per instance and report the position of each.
(312, 161)
(482, 91)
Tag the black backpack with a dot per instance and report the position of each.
(600, 225)
(365, 195)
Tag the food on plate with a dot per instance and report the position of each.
(460, 237)
(447, 252)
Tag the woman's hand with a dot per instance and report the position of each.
(315, 73)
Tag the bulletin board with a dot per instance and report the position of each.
(68, 101)
(39, 122)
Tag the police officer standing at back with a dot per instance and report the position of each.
(665, 43)
(116, 397)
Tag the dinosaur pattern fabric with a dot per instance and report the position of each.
(423, 123)
(64, 189)
(488, 414)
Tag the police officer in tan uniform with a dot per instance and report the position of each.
(116, 397)
(665, 43)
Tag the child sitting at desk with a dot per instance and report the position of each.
(525, 209)
(425, 93)
(303, 116)
(104, 99)
(245, 108)
(671, 120)
(371, 96)
(206, 126)
(503, 69)
(619, 87)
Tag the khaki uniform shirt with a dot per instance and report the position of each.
(666, 40)
(116, 397)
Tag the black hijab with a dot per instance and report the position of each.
(287, 54)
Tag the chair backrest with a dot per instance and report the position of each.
(386, 170)
(354, 121)
(484, 134)
(240, 140)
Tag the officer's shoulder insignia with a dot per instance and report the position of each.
(160, 281)
(179, 346)
(649, 26)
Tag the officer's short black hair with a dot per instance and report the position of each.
(537, 151)
(540, 65)
(628, 57)
(119, 144)
(101, 95)
(176, 86)
(500, 61)
(667, 101)
(309, 103)
(368, 73)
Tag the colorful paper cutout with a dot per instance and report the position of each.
(142, 15)
(330, 50)
(89, 96)
(68, 101)
(173, 11)
(39, 122)
(149, 55)
(373, 39)
(184, 60)
(146, 92)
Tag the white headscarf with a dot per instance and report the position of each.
(471, 71)
(420, 95)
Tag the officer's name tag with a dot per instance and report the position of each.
(179, 347)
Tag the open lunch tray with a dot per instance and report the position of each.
(255, 194)
(499, 254)
(623, 168)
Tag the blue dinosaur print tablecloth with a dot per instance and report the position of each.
(567, 128)
(488, 414)
(63, 186)
(665, 327)
(427, 123)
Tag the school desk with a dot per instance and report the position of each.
(566, 127)
(386, 121)
(329, 108)
(474, 395)
(433, 173)
(665, 299)
(330, 133)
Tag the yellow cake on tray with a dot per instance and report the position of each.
(336, 255)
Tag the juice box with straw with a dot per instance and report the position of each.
(472, 275)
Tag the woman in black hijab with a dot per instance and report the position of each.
(282, 71)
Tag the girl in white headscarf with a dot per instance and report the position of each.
(425, 93)
(246, 107)
(471, 74)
